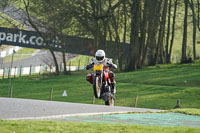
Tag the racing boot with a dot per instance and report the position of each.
(113, 88)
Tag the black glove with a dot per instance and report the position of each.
(112, 66)
(87, 67)
(109, 65)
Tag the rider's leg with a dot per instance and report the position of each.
(89, 78)
(113, 82)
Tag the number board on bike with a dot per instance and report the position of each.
(98, 67)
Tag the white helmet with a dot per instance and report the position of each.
(100, 55)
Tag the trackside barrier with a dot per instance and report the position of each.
(9, 51)
(19, 71)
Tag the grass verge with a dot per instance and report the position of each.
(157, 87)
(51, 126)
(189, 111)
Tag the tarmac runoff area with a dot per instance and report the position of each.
(27, 109)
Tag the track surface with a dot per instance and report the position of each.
(17, 109)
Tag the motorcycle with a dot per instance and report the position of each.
(102, 84)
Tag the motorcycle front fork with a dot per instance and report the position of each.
(106, 93)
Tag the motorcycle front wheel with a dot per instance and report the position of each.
(97, 87)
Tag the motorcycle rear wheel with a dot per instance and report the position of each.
(97, 87)
(110, 102)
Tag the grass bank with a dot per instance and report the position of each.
(81, 60)
(157, 87)
(21, 54)
(51, 126)
(189, 111)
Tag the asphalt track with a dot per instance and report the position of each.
(22, 109)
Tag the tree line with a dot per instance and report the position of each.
(149, 26)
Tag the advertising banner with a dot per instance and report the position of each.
(73, 44)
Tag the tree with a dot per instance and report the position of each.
(168, 54)
(44, 34)
(198, 18)
(194, 27)
(168, 32)
(4, 6)
(118, 25)
(132, 62)
(124, 25)
(94, 16)
(144, 22)
(160, 49)
(184, 42)
(154, 10)
(102, 20)
(3, 3)
(53, 20)
(144, 31)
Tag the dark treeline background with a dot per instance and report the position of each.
(151, 27)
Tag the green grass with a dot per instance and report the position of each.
(83, 59)
(157, 87)
(6, 21)
(189, 111)
(52, 126)
(21, 54)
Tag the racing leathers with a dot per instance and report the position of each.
(107, 62)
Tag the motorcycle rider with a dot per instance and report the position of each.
(107, 62)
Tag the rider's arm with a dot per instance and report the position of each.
(111, 64)
(114, 66)
(90, 65)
